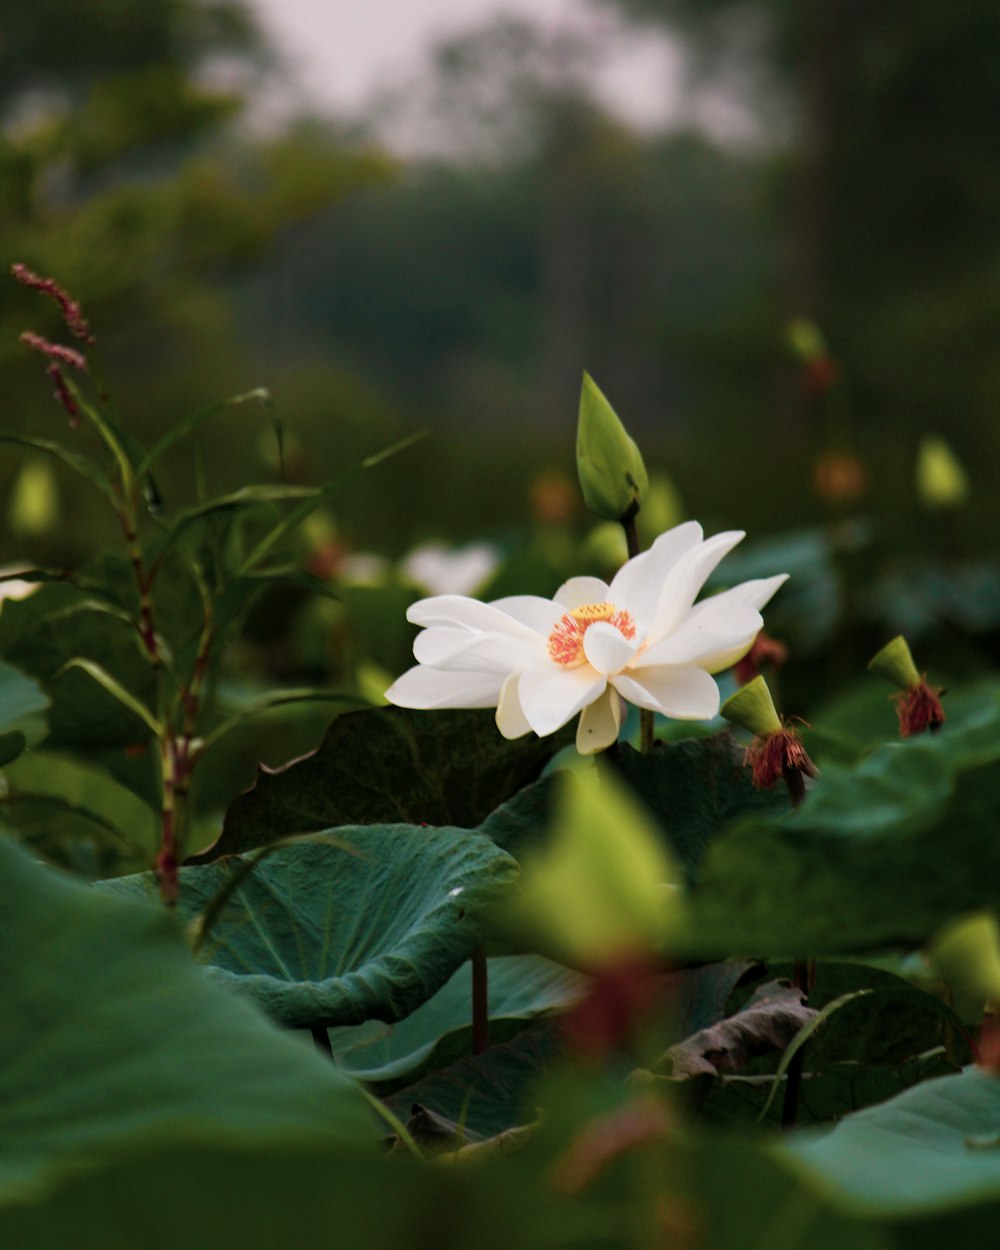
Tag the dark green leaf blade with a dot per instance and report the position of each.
(386, 765)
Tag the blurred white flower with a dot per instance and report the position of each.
(642, 639)
(450, 570)
(15, 587)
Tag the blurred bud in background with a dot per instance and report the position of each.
(34, 501)
(941, 480)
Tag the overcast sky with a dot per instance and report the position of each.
(342, 54)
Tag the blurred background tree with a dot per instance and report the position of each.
(466, 290)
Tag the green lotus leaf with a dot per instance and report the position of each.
(931, 1149)
(113, 1042)
(520, 988)
(367, 925)
(384, 765)
(915, 822)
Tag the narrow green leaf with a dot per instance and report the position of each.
(295, 518)
(803, 1036)
(71, 459)
(109, 433)
(194, 422)
(116, 689)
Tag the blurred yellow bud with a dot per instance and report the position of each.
(610, 466)
(34, 501)
(605, 546)
(805, 340)
(967, 953)
(605, 888)
(662, 509)
(941, 480)
(752, 708)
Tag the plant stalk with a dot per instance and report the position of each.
(480, 1002)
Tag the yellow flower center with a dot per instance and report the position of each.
(566, 640)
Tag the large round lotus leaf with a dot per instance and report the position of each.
(112, 1043)
(367, 925)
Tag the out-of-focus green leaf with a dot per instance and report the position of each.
(368, 928)
(114, 1042)
(42, 633)
(931, 1149)
(23, 704)
(915, 822)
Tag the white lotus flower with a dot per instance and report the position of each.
(451, 570)
(642, 638)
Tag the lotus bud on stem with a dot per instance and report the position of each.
(613, 479)
(612, 474)
(776, 750)
(918, 705)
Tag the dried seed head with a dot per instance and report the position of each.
(919, 708)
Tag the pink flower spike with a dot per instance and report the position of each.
(72, 313)
(55, 351)
(63, 394)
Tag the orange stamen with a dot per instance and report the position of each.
(566, 640)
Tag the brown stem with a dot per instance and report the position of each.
(796, 785)
(321, 1038)
(804, 976)
(166, 859)
(480, 1002)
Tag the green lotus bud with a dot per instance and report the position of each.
(895, 663)
(804, 340)
(752, 708)
(941, 480)
(612, 474)
(967, 953)
(605, 887)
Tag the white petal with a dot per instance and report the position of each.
(677, 690)
(433, 688)
(693, 643)
(637, 584)
(456, 610)
(541, 615)
(607, 649)
(551, 697)
(755, 594)
(511, 720)
(599, 723)
(580, 590)
(684, 581)
(447, 647)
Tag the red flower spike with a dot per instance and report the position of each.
(772, 756)
(765, 651)
(919, 708)
(76, 323)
